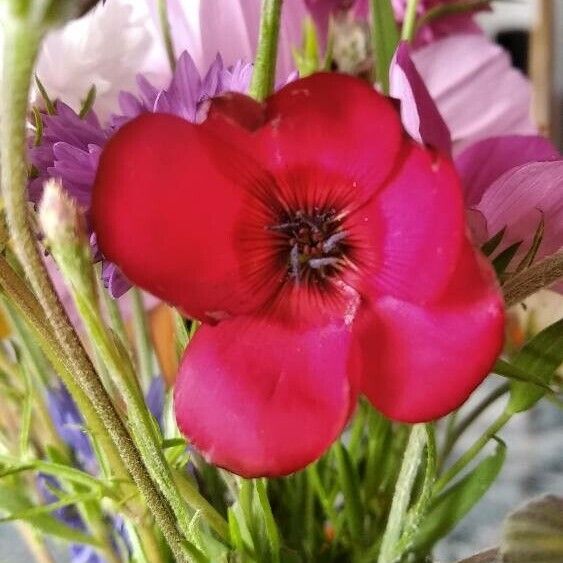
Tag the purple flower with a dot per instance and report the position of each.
(70, 147)
(70, 426)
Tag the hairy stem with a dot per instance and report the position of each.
(542, 274)
(21, 45)
(402, 495)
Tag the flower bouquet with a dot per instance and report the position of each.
(257, 263)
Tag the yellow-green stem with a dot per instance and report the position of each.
(264, 76)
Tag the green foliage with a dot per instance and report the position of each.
(455, 502)
(385, 39)
(542, 356)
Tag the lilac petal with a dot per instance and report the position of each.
(155, 398)
(198, 26)
(519, 199)
(114, 280)
(419, 113)
(476, 89)
(484, 162)
(70, 426)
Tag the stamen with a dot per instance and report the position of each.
(318, 263)
(294, 261)
(332, 241)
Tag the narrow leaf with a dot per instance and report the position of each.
(503, 260)
(49, 105)
(516, 373)
(385, 38)
(454, 503)
(542, 356)
(492, 244)
(533, 250)
(88, 102)
(349, 483)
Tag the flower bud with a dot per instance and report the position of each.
(59, 217)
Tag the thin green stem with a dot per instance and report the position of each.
(402, 495)
(143, 343)
(21, 45)
(472, 452)
(263, 78)
(470, 418)
(166, 32)
(409, 21)
(122, 373)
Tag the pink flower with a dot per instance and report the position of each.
(205, 28)
(515, 183)
(327, 253)
(473, 85)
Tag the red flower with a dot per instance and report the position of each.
(328, 249)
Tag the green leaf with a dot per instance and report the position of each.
(533, 250)
(534, 532)
(307, 57)
(385, 39)
(516, 373)
(13, 501)
(49, 105)
(492, 244)
(454, 503)
(88, 102)
(502, 261)
(542, 356)
(350, 486)
(269, 521)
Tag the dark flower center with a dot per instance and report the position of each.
(314, 243)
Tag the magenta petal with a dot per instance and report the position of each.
(484, 162)
(520, 198)
(263, 399)
(419, 113)
(476, 89)
(429, 359)
(418, 223)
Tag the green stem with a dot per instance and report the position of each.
(263, 78)
(122, 373)
(472, 452)
(21, 45)
(142, 339)
(402, 496)
(166, 32)
(470, 418)
(409, 22)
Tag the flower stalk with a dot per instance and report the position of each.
(21, 45)
(402, 495)
(263, 78)
(409, 23)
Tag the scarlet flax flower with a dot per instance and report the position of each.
(326, 252)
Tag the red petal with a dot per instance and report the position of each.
(167, 215)
(421, 363)
(261, 399)
(335, 123)
(418, 224)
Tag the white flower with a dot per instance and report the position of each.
(106, 48)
